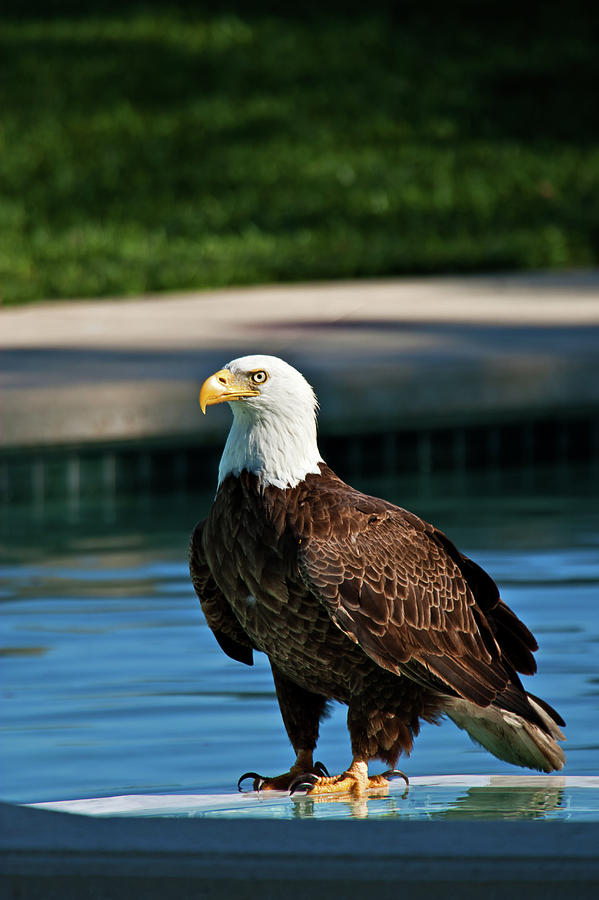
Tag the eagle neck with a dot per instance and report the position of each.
(280, 451)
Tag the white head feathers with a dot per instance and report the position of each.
(273, 434)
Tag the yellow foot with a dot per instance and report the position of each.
(346, 784)
(297, 773)
(355, 781)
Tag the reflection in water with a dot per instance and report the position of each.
(23, 651)
(503, 803)
(112, 684)
(345, 808)
(435, 802)
(306, 807)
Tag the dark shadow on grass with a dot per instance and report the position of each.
(528, 71)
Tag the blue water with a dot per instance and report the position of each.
(111, 683)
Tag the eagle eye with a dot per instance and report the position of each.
(259, 377)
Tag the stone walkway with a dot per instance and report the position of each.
(429, 350)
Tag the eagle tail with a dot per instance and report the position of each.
(510, 736)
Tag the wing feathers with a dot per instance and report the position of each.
(402, 591)
(225, 627)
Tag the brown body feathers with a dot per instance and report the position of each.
(356, 600)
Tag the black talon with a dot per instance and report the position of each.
(393, 773)
(321, 769)
(257, 782)
(306, 780)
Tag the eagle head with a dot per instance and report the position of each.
(273, 434)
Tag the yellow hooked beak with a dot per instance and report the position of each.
(223, 386)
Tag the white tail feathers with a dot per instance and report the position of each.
(509, 736)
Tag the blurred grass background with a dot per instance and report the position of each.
(185, 145)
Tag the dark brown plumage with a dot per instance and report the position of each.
(356, 600)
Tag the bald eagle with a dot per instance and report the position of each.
(352, 599)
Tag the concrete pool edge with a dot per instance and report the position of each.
(45, 853)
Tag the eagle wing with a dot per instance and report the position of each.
(402, 591)
(219, 616)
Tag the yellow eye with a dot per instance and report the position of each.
(258, 377)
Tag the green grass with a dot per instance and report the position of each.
(162, 147)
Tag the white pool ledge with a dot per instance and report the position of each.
(428, 797)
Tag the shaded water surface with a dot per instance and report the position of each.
(111, 682)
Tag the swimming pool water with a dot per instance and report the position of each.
(111, 682)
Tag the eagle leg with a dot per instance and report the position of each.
(302, 711)
(301, 771)
(355, 780)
